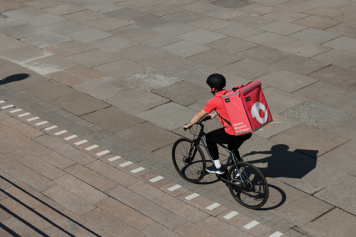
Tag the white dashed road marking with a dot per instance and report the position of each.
(103, 153)
(114, 158)
(50, 128)
(7, 106)
(276, 234)
(175, 187)
(91, 147)
(191, 196)
(137, 170)
(41, 123)
(251, 224)
(125, 164)
(16, 110)
(70, 137)
(213, 206)
(80, 142)
(61, 132)
(23, 115)
(31, 119)
(2, 101)
(158, 178)
(231, 215)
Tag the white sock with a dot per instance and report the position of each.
(217, 163)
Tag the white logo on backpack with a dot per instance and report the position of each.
(255, 112)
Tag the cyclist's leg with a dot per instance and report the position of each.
(212, 138)
(237, 142)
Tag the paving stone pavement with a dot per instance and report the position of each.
(56, 183)
(110, 78)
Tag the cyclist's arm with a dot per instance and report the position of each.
(196, 119)
(213, 115)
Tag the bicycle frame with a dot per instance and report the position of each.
(231, 156)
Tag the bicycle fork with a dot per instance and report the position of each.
(191, 156)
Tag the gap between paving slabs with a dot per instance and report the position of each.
(136, 171)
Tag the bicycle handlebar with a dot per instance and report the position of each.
(202, 120)
(205, 118)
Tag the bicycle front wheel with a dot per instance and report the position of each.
(188, 160)
(250, 187)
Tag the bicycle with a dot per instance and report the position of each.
(246, 183)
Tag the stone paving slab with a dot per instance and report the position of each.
(315, 114)
(185, 48)
(116, 68)
(339, 95)
(63, 9)
(299, 64)
(280, 123)
(343, 43)
(341, 194)
(345, 158)
(231, 45)
(316, 22)
(7, 43)
(24, 54)
(148, 136)
(286, 80)
(192, 95)
(263, 54)
(271, 40)
(68, 48)
(113, 119)
(103, 88)
(65, 27)
(112, 44)
(80, 104)
(337, 57)
(335, 75)
(136, 101)
(7, 23)
(21, 31)
(343, 29)
(92, 58)
(50, 90)
(244, 67)
(324, 223)
(178, 112)
(303, 140)
(315, 36)
(299, 199)
(303, 48)
(222, 57)
(283, 28)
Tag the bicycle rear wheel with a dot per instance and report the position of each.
(250, 188)
(188, 160)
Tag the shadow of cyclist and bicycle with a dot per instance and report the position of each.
(279, 162)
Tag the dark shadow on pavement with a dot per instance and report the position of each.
(274, 201)
(8, 230)
(37, 213)
(21, 219)
(284, 163)
(14, 78)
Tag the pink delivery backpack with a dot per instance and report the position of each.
(247, 108)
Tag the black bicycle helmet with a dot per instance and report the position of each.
(216, 81)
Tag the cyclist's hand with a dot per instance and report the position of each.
(187, 126)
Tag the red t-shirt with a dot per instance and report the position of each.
(217, 104)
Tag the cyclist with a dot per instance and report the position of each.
(223, 135)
